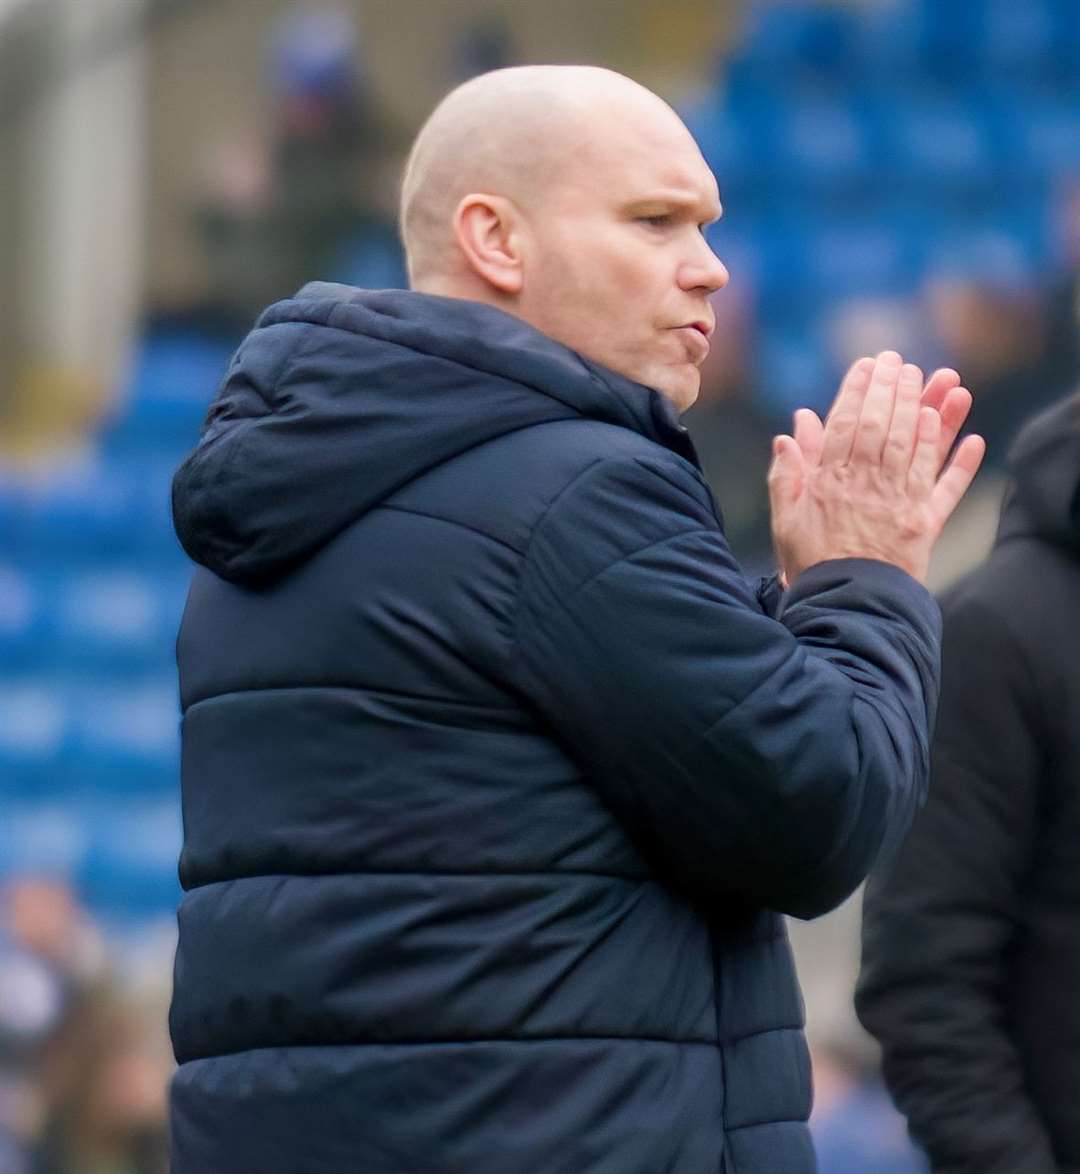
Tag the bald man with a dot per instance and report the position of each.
(498, 774)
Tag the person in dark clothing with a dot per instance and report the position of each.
(971, 941)
(497, 773)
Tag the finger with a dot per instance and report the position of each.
(938, 386)
(900, 442)
(954, 482)
(843, 416)
(809, 435)
(785, 473)
(924, 461)
(877, 409)
(954, 411)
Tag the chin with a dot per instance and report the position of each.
(681, 390)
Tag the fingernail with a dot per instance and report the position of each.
(890, 357)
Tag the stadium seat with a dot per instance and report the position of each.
(1044, 132)
(372, 259)
(129, 867)
(22, 616)
(822, 141)
(1020, 40)
(793, 373)
(936, 141)
(39, 838)
(79, 509)
(124, 738)
(174, 372)
(732, 144)
(915, 38)
(114, 618)
(34, 726)
(787, 35)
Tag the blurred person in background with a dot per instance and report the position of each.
(992, 321)
(971, 940)
(498, 773)
(855, 1125)
(83, 1074)
(322, 188)
(730, 432)
(104, 1090)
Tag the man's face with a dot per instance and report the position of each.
(616, 264)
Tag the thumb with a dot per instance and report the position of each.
(785, 472)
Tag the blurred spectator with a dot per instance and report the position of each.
(105, 1090)
(1063, 328)
(855, 1126)
(485, 44)
(83, 1072)
(275, 219)
(971, 942)
(731, 433)
(993, 329)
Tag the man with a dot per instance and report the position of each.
(497, 773)
(971, 953)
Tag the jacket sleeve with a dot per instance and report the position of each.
(938, 926)
(760, 760)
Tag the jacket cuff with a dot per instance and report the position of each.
(846, 582)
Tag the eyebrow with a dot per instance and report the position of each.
(680, 199)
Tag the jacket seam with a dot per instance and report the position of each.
(401, 509)
(342, 687)
(470, 1041)
(547, 873)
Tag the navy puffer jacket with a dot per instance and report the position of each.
(497, 774)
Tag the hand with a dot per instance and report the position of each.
(869, 483)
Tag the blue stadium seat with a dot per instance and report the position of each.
(730, 142)
(927, 38)
(1022, 39)
(81, 509)
(793, 372)
(848, 257)
(769, 252)
(936, 142)
(22, 618)
(823, 141)
(788, 35)
(1044, 133)
(124, 739)
(114, 618)
(34, 726)
(174, 373)
(39, 838)
(373, 259)
(992, 255)
(129, 868)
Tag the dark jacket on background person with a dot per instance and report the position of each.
(497, 773)
(971, 942)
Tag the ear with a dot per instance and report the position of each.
(487, 232)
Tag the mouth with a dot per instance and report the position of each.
(695, 336)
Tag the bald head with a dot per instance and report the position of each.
(574, 199)
(514, 133)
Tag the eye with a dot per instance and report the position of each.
(662, 220)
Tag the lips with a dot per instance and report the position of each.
(695, 336)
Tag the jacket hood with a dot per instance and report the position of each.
(1043, 500)
(339, 397)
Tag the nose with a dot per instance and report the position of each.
(705, 271)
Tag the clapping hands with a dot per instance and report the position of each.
(871, 481)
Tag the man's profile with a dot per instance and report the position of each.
(498, 774)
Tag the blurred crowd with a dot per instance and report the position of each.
(84, 1055)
